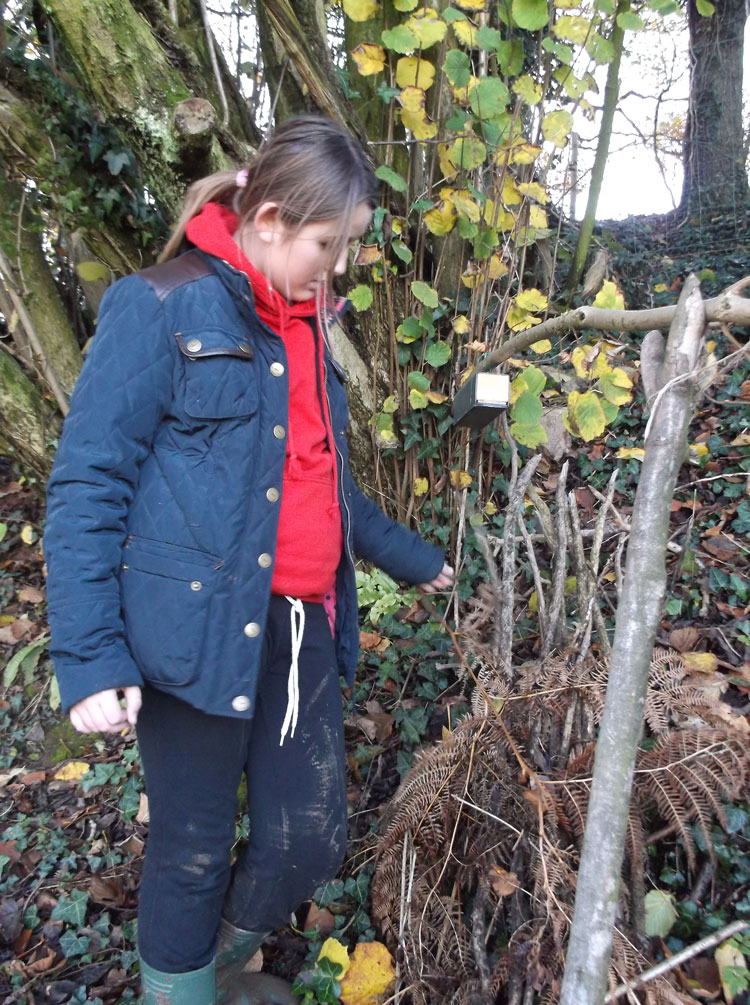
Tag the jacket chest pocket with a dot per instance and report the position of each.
(219, 374)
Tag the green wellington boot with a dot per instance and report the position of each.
(233, 987)
(198, 987)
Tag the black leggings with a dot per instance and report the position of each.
(296, 795)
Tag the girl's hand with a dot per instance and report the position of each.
(442, 581)
(102, 712)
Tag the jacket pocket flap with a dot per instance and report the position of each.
(170, 560)
(220, 377)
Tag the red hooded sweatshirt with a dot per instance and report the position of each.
(310, 538)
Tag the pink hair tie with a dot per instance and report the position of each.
(241, 179)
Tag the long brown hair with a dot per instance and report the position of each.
(310, 166)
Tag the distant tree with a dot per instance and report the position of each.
(714, 150)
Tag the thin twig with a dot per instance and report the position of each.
(215, 63)
(674, 961)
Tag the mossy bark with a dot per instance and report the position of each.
(28, 428)
(33, 282)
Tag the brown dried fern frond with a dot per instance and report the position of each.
(671, 699)
(688, 774)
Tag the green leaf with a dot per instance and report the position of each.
(3, 530)
(704, 7)
(424, 293)
(485, 242)
(556, 127)
(390, 404)
(90, 272)
(28, 657)
(409, 330)
(361, 297)
(530, 435)
(600, 49)
(438, 353)
(54, 694)
(467, 229)
(468, 152)
(391, 177)
(563, 52)
(532, 379)
(527, 409)
(405, 5)
(489, 97)
(450, 14)
(417, 381)
(417, 399)
(530, 14)
(629, 21)
(72, 944)
(587, 413)
(400, 249)
(457, 67)
(510, 57)
(660, 913)
(71, 909)
(399, 39)
(488, 38)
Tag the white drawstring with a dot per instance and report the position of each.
(292, 708)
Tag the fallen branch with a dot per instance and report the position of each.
(728, 307)
(674, 961)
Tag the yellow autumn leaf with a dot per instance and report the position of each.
(466, 32)
(360, 10)
(460, 479)
(412, 99)
(496, 268)
(728, 955)
(490, 509)
(518, 320)
(534, 190)
(461, 325)
(556, 127)
(465, 203)
(73, 771)
(413, 72)
(371, 973)
(660, 288)
(537, 218)
(698, 449)
(531, 300)
(28, 534)
(421, 485)
(441, 218)
(336, 952)
(369, 57)
(448, 165)
(543, 345)
(518, 151)
(511, 196)
(427, 26)
(586, 414)
(436, 397)
(471, 4)
(610, 297)
(700, 662)
(631, 453)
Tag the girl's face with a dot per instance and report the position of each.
(297, 262)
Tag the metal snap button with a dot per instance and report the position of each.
(279, 432)
(241, 703)
(277, 369)
(194, 345)
(196, 585)
(252, 629)
(264, 560)
(243, 346)
(272, 495)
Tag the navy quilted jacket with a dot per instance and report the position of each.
(163, 502)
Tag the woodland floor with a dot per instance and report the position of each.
(72, 812)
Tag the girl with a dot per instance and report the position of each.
(202, 522)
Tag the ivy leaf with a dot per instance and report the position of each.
(399, 39)
(418, 399)
(72, 944)
(660, 913)
(361, 297)
(530, 14)
(424, 294)
(485, 242)
(391, 177)
(437, 354)
(116, 161)
(336, 953)
(71, 909)
(360, 10)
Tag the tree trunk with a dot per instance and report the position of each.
(715, 177)
(638, 615)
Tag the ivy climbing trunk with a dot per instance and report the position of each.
(638, 614)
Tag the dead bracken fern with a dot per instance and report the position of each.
(476, 867)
